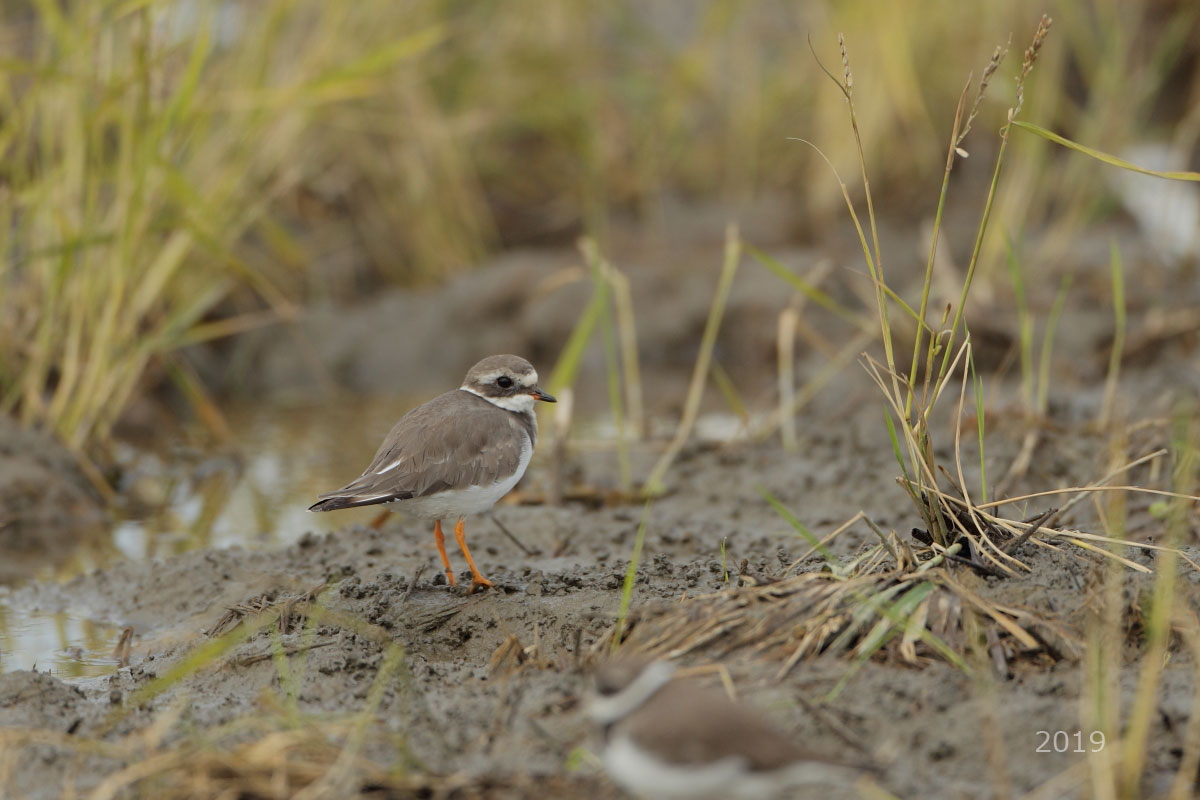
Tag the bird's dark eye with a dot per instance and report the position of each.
(504, 382)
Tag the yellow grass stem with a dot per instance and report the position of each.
(875, 265)
(1117, 350)
(338, 779)
(708, 341)
(813, 385)
(1101, 696)
(927, 283)
(1030, 58)
(729, 392)
(1143, 710)
(785, 349)
(627, 331)
(1184, 784)
(601, 280)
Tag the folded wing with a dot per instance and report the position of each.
(444, 444)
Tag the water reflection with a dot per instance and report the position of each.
(258, 496)
(65, 645)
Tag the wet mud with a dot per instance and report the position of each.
(482, 693)
(489, 685)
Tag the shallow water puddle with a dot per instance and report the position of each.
(258, 496)
(58, 642)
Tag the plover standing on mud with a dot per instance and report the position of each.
(455, 455)
(668, 738)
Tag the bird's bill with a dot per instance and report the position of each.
(538, 394)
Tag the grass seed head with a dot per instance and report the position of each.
(998, 56)
(1031, 56)
(849, 76)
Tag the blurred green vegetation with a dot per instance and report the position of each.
(180, 170)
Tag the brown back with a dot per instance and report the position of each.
(688, 723)
(456, 439)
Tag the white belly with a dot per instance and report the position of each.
(645, 776)
(463, 502)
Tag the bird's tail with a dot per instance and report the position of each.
(335, 502)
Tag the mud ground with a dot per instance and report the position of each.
(466, 702)
(488, 689)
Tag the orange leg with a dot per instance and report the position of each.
(381, 518)
(477, 580)
(440, 538)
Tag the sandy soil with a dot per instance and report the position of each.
(487, 694)
(467, 701)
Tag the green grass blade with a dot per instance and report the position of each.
(1043, 389)
(895, 617)
(567, 367)
(1106, 158)
(1117, 271)
(635, 559)
(891, 426)
(708, 342)
(1016, 272)
(201, 657)
(800, 528)
(804, 287)
(381, 59)
(977, 382)
(604, 286)
(900, 610)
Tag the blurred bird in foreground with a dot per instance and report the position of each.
(676, 738)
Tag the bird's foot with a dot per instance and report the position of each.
(477, 581)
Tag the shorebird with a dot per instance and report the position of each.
(455, 455)
(677, 738)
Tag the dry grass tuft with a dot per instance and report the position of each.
(872, 606)
(288, 606)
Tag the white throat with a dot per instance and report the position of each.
(607, 710)
(520, 403)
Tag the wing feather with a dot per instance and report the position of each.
(437, 446)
